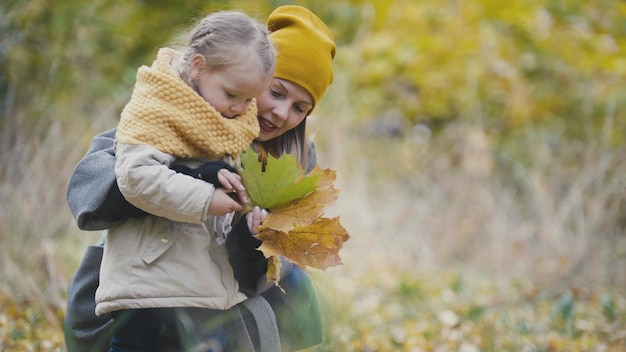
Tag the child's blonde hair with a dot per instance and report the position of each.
(221, 38)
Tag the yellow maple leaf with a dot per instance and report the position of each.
(273, 270)
(314, 245)
(303, 211)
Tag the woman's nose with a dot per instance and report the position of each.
(281, 111)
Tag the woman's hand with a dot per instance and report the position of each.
(222, 203)
(254, 219)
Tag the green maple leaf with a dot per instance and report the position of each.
(280, 181)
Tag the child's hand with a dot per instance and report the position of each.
(231, 182)
(254, 219)
(222, 203)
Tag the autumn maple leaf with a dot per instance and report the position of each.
(275, 182)
(302, 211)
(314, 245)
(295, 227)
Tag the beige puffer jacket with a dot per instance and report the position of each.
(173, 259)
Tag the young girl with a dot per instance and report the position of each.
(187, 108)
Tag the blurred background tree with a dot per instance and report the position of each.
(540, 62)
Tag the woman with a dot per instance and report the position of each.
(305, 50)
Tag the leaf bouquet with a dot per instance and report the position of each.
(295, 227)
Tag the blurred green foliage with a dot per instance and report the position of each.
(505, 65)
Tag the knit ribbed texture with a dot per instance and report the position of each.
(305, 48)
(168, 114)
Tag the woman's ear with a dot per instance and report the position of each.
(197, 66)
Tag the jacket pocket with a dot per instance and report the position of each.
(164, 236)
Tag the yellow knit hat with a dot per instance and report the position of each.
(305, 48)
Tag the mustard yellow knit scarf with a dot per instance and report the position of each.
(168, 114)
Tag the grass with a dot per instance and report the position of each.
(464, 312)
